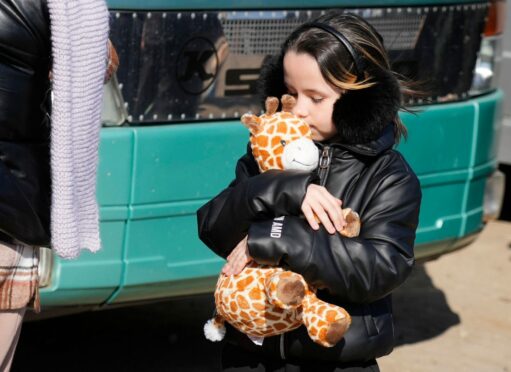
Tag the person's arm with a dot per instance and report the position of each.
(360, 269)
(224, 221)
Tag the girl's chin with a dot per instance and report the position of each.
(320, 137)
(316, 136)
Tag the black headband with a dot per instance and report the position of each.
(354, 55)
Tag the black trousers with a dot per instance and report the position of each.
(237, 359)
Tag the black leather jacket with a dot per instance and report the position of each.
(25, 59)
(358, 273)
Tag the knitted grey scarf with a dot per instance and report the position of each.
(79, 34)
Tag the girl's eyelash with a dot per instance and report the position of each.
(314, 100)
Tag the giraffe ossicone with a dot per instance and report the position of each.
(264, 301)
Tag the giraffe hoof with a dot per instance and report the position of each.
(291, 291)
(336, 331)
(352, 219)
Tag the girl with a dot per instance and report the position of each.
(338, 70)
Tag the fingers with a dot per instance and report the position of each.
(318, 201)
(240, 246)
(238, 259)
(326, 218)
(309, 216)
(334, 214)
(235, 265)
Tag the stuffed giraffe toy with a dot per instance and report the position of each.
(264, 301)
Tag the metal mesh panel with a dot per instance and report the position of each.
(188, 66)
(399, 33)
(255, 33)
(252, 33)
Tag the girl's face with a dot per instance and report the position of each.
(315, 97)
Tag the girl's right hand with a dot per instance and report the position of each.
(319, 202)
(238, 259)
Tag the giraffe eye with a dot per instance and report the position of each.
(283, 143)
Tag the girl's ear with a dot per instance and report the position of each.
(252, 122)
(361, 115)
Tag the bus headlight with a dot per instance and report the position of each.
(487, 68)
(493, 196)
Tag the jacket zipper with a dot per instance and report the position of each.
(324, 165)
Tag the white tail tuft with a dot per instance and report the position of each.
(214, 331)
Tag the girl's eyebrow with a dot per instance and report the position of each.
(314, 91)
(308, 91)
(288, 86)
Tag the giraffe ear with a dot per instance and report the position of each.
(252, 122)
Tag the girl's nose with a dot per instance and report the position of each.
(300, 109)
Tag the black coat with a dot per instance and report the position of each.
(25, 58)
(356, 273)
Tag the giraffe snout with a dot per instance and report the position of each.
(301, 154)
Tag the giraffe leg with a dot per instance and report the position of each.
(325, 323)
(285, 289)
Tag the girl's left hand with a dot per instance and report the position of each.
(238, 259)
(321, 206)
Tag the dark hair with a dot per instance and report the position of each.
(371, 98)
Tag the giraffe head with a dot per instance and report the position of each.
(281, 140)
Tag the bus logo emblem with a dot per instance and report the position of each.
(197, 65)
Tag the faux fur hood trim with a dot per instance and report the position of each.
(361, 115)
(271, 79)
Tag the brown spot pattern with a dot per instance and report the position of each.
(279, 163)
(244, 283)
(279, 150)
(331, 315)
(242, 302)
(262, 141)
(255, 294)
(234, 307)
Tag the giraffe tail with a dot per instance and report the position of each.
(214, 329)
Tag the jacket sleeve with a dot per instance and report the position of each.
(357, 270)
(252, 196)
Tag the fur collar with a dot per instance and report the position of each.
(375, 147)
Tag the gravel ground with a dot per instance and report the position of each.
(454, 314)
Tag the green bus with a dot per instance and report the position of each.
(172, 134)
